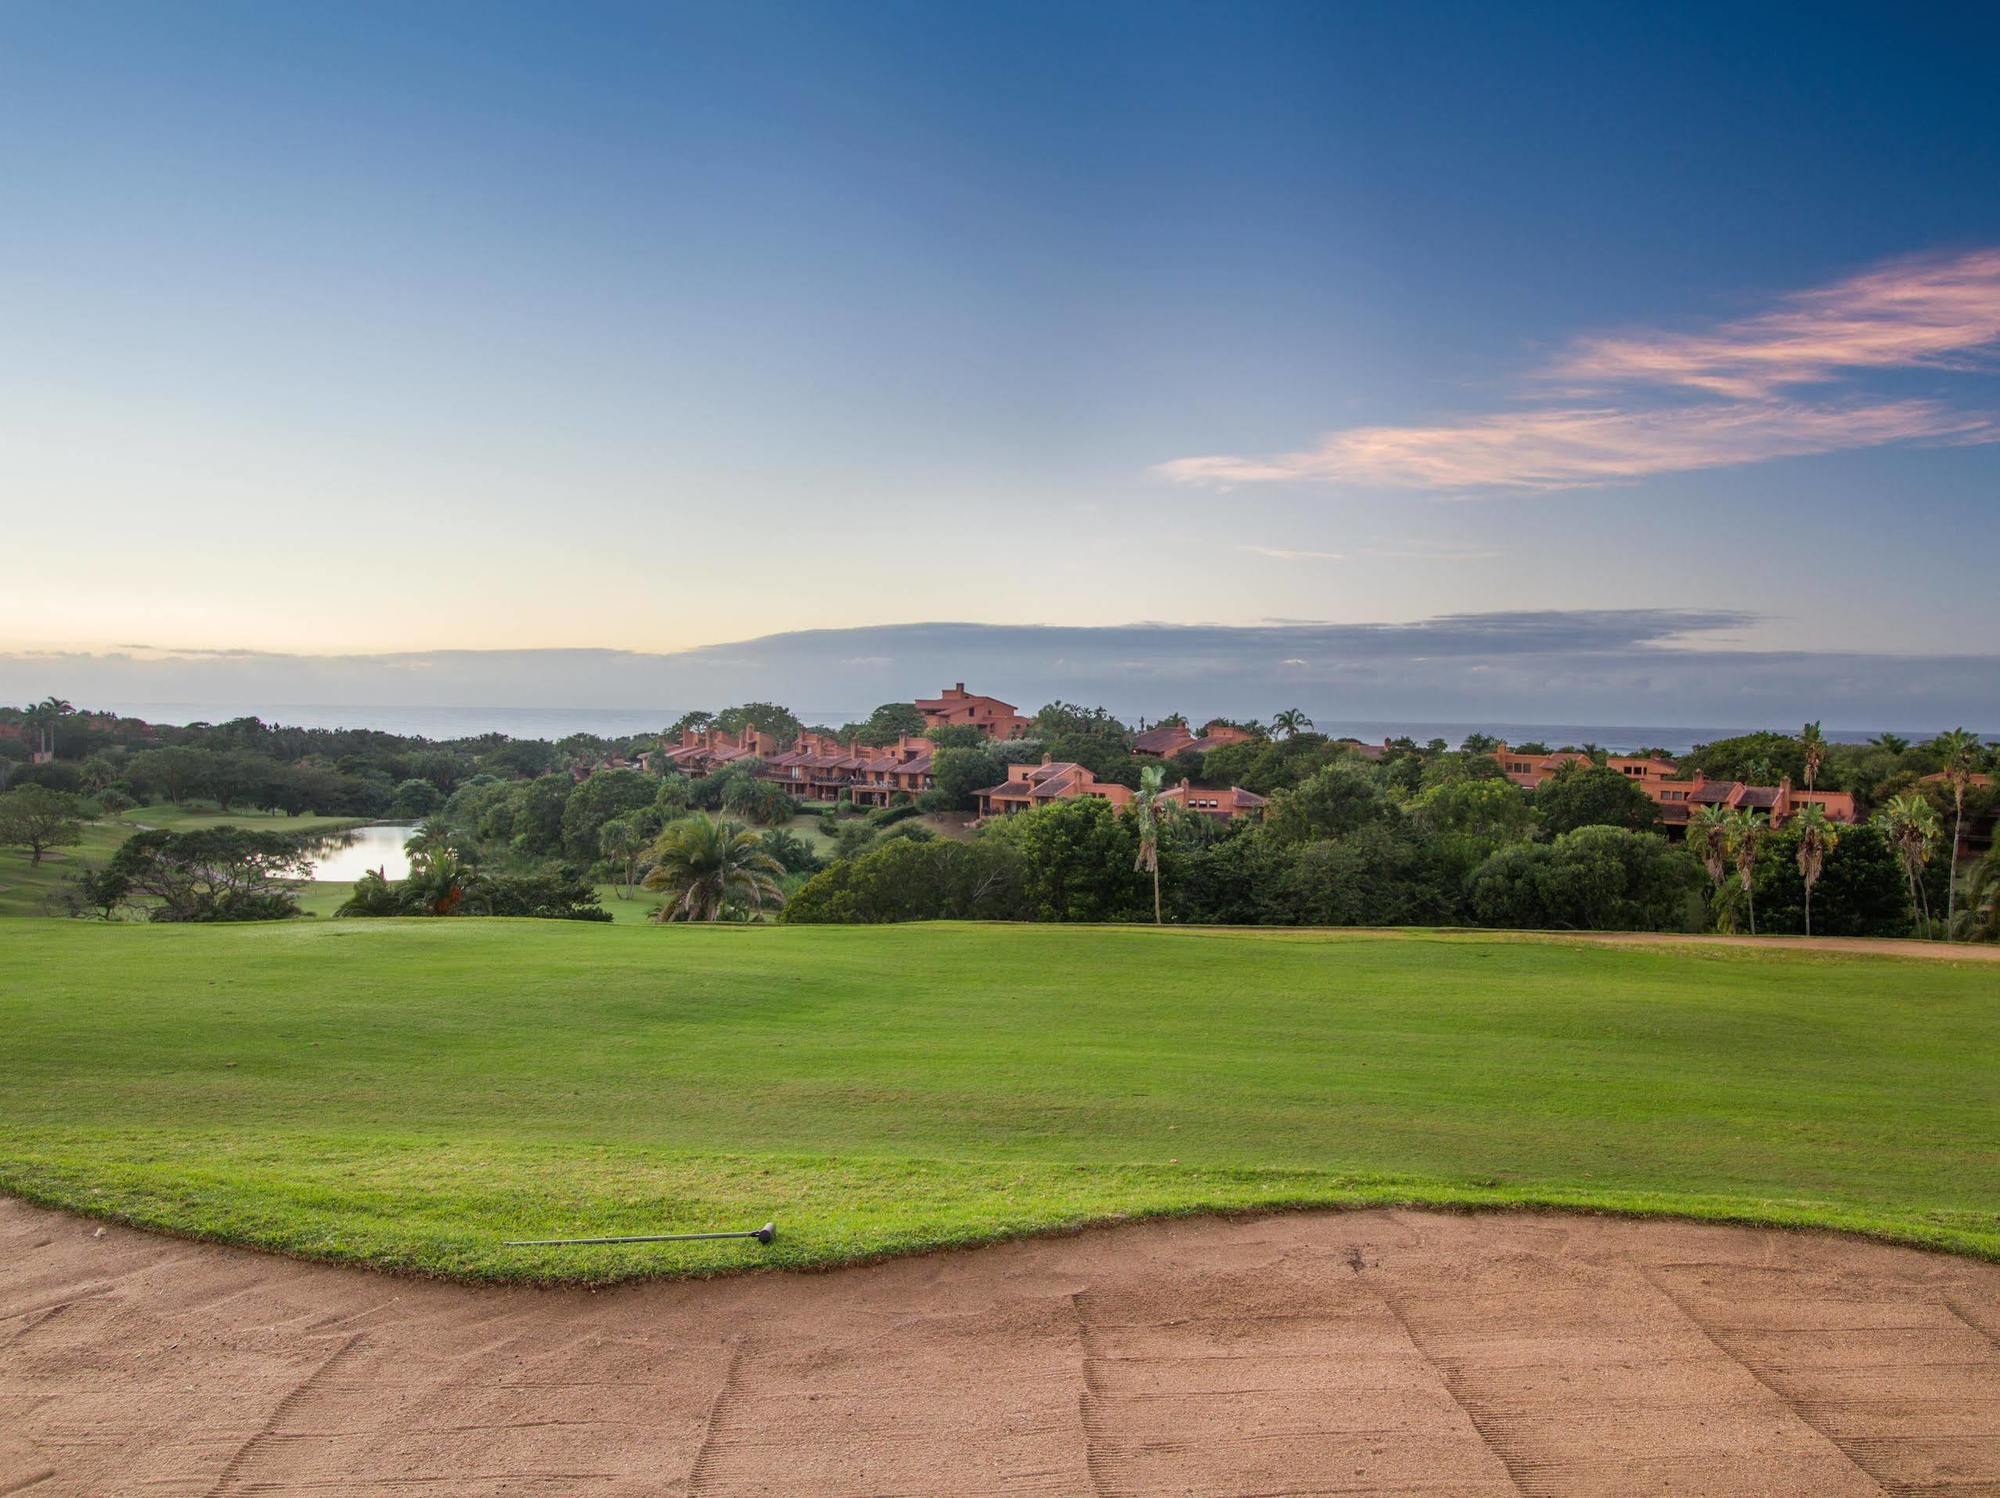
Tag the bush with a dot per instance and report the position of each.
(910, 880)
(1592, 879)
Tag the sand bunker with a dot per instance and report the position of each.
(1379, 1351)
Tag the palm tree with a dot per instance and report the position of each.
(1910, 823)
(1959, 750)
(1813, 742)
(1145, 810)
(1708, 840)
(1747, 832)
(1981, 921)
(1818, 836)
(624, 842)
(432, 843)
(705, 864)
(43, 718)
(1290, 721)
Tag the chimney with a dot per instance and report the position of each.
(958, 687)
(1048, 759)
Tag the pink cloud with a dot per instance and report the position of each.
(1563, 449)
(1941, 312)
(1905, 314)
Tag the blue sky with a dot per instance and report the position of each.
(391, 328)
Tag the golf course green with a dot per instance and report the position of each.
(410, 1094)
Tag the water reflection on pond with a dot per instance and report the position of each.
(346, 856)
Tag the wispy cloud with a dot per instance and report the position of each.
(1566, 448)
(1676, 402)
(1936, 312)
(1290, 554)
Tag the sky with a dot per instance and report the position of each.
(379, 330)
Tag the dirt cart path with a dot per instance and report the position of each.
(1314, 1353)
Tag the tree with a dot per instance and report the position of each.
(38, 819)
(1589, 795)
(1077, 860)
(624, 841)
(1708, 840)
(696, 721)
(706, 866)
(596, 800)
(796, 855)
(1145, 815)
(173, 771)
(1290, 721)
(432, 843)
(1087, 736)
(1339, 799)
(1958, 752)
(1981, 921)
(916, 881)
(767, 717)
(1747, 831)
(1812, 751)
(764, 802)
(1464, 822)
(1760, 758)
(1592, 879)
(1860, 891)
(212, 874)
(957, 774)
(1894, 743)
(1817, 836)
(44, 717)
(1911, 825)
(886, 724)
(416, 799)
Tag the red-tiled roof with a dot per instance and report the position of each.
(1163, 740)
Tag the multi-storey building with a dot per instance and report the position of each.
(956, 707)
(1676, 797)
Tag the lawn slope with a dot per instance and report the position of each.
(410, 1093)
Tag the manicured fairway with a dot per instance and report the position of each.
(410, 1093)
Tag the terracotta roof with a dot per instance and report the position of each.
(1163, 740)
(1713, 793)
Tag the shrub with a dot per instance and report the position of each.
(1592, 879)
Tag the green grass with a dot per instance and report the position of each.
(202, 814)
(410, 1093)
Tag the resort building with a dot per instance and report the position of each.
(1051, 780)
(903, 767)
(1037, 785)
(1677, 798)
(957, 707)
(1530, 770)
(704, 749)
(1221, 806)
(1175, 738)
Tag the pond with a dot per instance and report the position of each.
(346, 856)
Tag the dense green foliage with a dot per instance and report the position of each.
(38, 819)
(1587, 795)
(208, 874)
(1406, 833)
(412, 1093)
